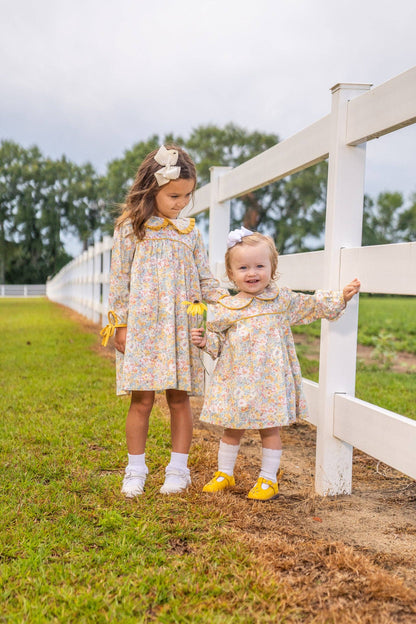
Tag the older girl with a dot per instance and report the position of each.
(158, 262)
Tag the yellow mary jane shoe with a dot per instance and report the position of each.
(220, 481)
(265, 490)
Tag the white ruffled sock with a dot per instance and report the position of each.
(178, 461)
(137, 464)
(227, 456)
(270, 463)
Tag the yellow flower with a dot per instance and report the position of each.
(195, 308)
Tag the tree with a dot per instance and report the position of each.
(381, 219)
(291, 210)
(407, 221)
(120, 176)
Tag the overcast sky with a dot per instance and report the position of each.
(89, 78)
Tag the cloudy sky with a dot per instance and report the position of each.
(89, 78)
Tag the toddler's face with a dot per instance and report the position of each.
(251, 269)
(173, 197)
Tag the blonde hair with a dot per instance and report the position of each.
(140, 201)
(254, 239)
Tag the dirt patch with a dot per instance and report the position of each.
(401, 362)
(378, 518)
(350, 558)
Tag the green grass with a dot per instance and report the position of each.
(380, 317)
(395, 315)
(73, 549)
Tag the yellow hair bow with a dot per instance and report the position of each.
(109, 329)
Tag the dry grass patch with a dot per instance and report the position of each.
(333, 580)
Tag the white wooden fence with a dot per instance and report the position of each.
(22, 290)
(357, 115)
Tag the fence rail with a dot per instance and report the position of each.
(357, 115)
(22, 290)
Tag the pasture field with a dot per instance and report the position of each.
(74, 550)
(388, 326)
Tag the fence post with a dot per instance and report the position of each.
(343, 228)
(96, 290)
(107, 246)
(219, 226)
(219, 222)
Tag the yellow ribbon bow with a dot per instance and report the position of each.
(109, 329)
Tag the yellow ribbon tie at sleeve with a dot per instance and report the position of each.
(109, 329)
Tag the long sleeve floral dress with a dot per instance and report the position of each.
(257, 381)
(149, 281)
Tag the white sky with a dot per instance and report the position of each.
(89, 78)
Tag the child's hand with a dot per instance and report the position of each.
(198, 337)
(120, 339)
(351, 289)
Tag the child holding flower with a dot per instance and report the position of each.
(257, 382)
(158, 262)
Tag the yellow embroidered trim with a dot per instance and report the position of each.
(109, 329)
(245, 318)
(230, 308)
(167, 222)
(244, 305)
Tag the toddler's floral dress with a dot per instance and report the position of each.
(149, 281)
(257, 381)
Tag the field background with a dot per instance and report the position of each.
(74, 550)
(386, 360)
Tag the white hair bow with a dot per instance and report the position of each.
(235, 236)
(168, 158)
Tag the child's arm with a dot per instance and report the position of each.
(198, 337)
(120, 339)
(210, 341)
(121, 260)
(211, 290)
(324, 304)
(351, 289)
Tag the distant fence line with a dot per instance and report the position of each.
(22, 290)
(358, 114)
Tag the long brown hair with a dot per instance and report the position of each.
(140, 200)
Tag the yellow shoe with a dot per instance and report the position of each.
(265, 490)
(220, 481)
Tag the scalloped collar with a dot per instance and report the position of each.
(234, 302)
(182, 225)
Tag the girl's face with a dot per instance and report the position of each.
(173, 197)
(251, 269)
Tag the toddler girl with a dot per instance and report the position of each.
(257, 382)
(158, 262)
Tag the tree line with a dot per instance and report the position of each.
(42, 199)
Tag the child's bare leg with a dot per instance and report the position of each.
(271, 453)
(181, 423)
(270, 438)
(232, 436)
(137, 423)
(177, 472)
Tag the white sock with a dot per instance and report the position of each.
(270, 463)
(227, 455)
(179, 461)
(137, 463)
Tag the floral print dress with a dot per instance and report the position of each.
(149, 281)
(257, 381)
